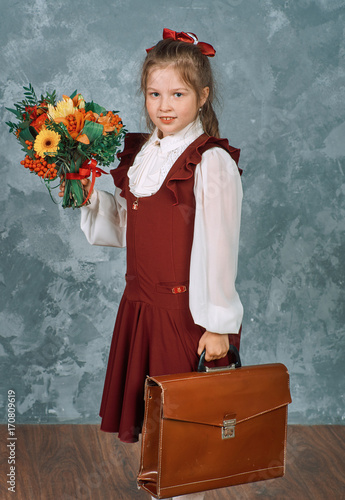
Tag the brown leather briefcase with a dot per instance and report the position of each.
(214, 429)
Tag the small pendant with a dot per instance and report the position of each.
(135, 205)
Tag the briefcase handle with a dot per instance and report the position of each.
(237, 364)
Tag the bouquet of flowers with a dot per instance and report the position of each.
(65, 140)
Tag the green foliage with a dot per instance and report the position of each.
(26, 135)
(96, 108)
(49, 98)
(30, 95)
(107, 146)
(13, 126)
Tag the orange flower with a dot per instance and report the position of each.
(91, 116)
(38, 123)
(109, 122)
(78, 100)
(73, 122)
(83, 138)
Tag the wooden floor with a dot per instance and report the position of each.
(80, 462)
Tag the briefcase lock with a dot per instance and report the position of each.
(228, 429)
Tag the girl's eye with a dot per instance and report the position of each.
(178, 94)
(154, 94)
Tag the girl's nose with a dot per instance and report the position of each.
(165, 104)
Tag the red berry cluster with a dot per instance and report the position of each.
(38, 165)
(72, 123)
(114, 120)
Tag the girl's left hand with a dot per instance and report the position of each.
(216, 344)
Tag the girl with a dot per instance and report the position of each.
(176, 207)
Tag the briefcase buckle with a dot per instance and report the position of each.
(228, 429)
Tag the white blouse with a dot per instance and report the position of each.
(213, 299)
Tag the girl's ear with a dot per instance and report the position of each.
(204, 95)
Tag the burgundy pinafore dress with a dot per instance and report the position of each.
(154, 332)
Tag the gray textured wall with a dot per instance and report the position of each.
(280, 67)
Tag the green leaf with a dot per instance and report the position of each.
(74, 94)
(92, 130)
(22, 142)
(33, 131)
(77, 164)
(15, 111)
(49, 98)
(64, 128)
(82, 149)
(96, 108)
(23, 125)
(26, 135)
(30, 95)
(74, 194)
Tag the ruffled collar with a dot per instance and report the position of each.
(156, 157)
(174, 141)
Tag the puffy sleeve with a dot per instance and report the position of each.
(104, 220)
(214, 301)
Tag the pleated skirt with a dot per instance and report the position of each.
(147, 341)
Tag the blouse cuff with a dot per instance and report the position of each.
(94, 202)
(219, 319)
(103, 221)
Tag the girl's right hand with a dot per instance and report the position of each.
(86, 183)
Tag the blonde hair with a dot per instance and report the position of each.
(194, 69)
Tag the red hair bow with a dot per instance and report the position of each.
(205, 48)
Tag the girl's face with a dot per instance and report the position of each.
(170, 102)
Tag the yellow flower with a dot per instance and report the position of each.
(62, 109)
(46, 142)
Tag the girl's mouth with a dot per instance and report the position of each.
(166, 119)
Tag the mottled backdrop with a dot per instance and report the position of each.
(281, 74)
